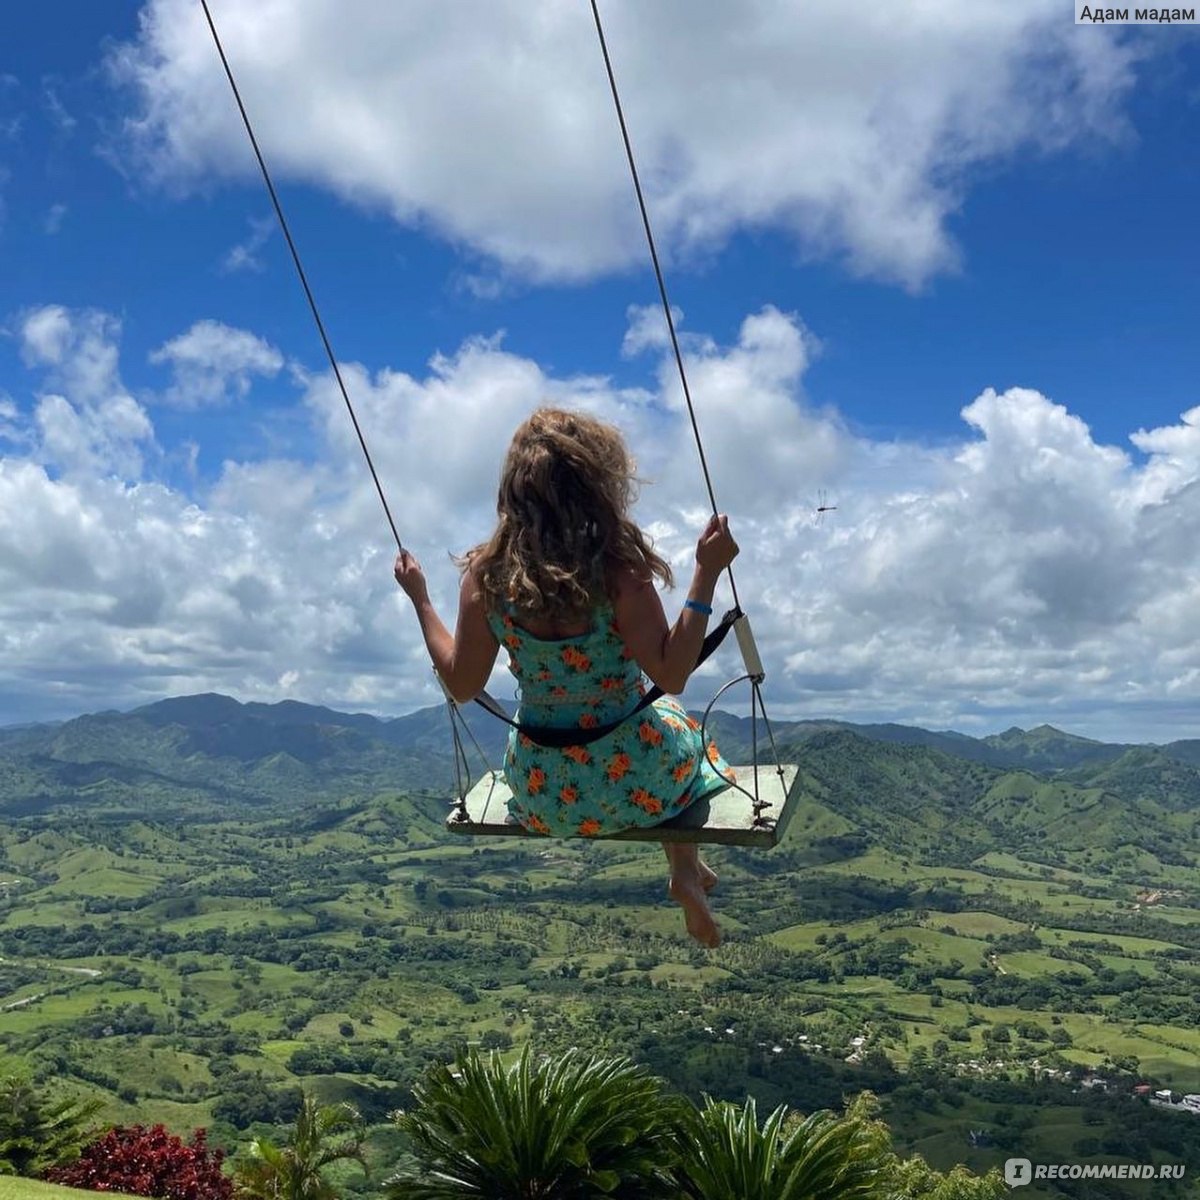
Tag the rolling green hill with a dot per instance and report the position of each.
(204, 905)
(209, 756)
(940, 795)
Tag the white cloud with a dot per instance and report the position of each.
(1174, 457)
(45, 333)
(63, 121)
(1025, 573)
(480, 286)
(213, 363)
(85, 422)
(9, 418)
(244, 255)
(854, 128)
(55, 216)
(647, 329)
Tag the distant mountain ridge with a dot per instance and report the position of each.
(205, 756)
(200, 754)
(1042, 749)
(219, 724)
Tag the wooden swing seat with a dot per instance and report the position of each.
(725, 819)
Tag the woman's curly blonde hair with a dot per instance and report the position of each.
(563, 530)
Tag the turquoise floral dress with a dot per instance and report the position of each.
(646, 771)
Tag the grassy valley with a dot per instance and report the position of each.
(204, 906)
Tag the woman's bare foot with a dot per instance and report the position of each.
(689, 894)
(708, 877)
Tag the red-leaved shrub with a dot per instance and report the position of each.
(149, 1162)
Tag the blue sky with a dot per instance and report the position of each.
(994, 209)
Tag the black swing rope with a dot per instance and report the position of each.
(312, 302)
(756, 699)
(713, 640)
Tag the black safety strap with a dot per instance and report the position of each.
(558, 739)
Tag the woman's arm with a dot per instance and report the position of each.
(668, 655)
(465, 660)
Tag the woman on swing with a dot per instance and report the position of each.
(566, 584)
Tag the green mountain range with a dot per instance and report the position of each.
(244, 898)
(941, 796)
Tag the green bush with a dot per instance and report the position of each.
(38, 1132)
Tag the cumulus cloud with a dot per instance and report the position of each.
(1026, 572)
(1174, 454)
(647, 329)
(213, 363)
(85, 421)
(853, 128)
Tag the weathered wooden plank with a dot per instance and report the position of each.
(726, 818)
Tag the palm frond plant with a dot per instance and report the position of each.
(575, 1127)
(295, 1171)
(820, 1157)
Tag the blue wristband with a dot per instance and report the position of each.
(706, 609)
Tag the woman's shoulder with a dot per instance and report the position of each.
(625, 580)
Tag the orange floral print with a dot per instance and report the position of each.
(714, 755)
(618, 765)
(648, 769)
(576, 659)
(646, 802)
